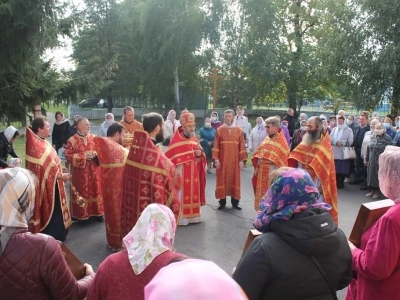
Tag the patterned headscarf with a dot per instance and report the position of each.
(193, 279)
(389, 173)
(292, 192)
(153, 234)
(17, 194)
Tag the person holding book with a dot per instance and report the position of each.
(32, 265)
(376, 263)
(301, 253)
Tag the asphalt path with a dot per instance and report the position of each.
(220, 236)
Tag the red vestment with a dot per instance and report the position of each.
(86, 197)
(229, 149)
(150, 177)
(130, 129)
(112, 157)
(317, 159)
(181, 151)
(271, 154)
(43, 161)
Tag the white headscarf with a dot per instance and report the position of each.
(9, 132)
(389, 173)
(153, 234)
(17, 194)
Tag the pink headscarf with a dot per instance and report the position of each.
(389, 173)
(193, 279)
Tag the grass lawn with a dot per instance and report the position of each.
(19, 147)
(54, 108)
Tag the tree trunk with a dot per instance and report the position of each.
(176, 88)
(37, 111)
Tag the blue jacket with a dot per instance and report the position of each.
(207, 135)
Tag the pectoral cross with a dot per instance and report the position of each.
(136, 148)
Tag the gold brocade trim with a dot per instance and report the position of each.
(308, 155)
(186, 142)
(229, 142)
(42, 159)
(147, 168)
(323, 149)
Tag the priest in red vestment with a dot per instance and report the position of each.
(314, 154)
(51, 214)
(112, 157)
(131, 125)
(229, 154)
(150, 177)
(86, 196)
(187, 155)
(272, 154)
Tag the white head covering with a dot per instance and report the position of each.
(389, 173)
(193, 279)
(153, 234)
(9, 132)
(17, 194)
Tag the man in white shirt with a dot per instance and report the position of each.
(241, 121)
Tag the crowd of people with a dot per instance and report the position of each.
(143, 179)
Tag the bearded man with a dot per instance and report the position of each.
(272, 154)
(112, 157)
(131, 125)
(314, 154)
(86, 196)
(229, 153)
(150, 177)
(186, 154)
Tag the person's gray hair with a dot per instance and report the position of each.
(229, 111)
(272, 121)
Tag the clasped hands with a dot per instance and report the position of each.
(90, 155)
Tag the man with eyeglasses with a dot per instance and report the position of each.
(272, 154)
(314, 154)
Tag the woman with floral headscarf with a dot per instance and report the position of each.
(149, 247)
(298, 234)
(376, 262)
(32, 265)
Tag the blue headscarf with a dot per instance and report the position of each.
(292, 192)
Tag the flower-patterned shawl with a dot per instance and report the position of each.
(152, 235)
(292, 192)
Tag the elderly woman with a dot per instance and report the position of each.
(341, 136)
(290, 261)
(352, 123)
(387, 123)
(193, 279)
(303, 117)
(32, 265)
(372, 159)
(377, 262)
(215, 122)
(257, 135)
(207, 137)
(7, 139)
(298, 135)
(108, 120)
(149, 245)
(60, 131)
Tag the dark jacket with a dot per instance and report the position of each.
(33, 267)
(6, 149)
(291, 124)
(59, 134)
(359, 136)
(278, 265)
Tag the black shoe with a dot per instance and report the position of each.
(340, 185)
(221, 206)
(364, 187)
(237, 206)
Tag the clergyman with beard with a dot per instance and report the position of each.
(188, 156)
(112, 157)
(314, 154)
(150, 177)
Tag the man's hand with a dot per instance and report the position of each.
(241, 165)
(89, 156)
(217, 165)
(65, 177)
(197, 153)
